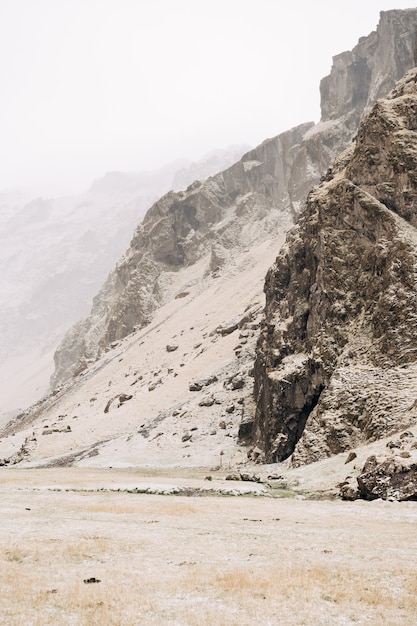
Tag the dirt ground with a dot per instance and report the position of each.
(197, 559)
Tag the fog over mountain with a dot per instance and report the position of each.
(190, 355)
(128, 85)
(56, 253)
(208, 368)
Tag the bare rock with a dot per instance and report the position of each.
(237, 382)
(117, 401)
(195, 386)
(350, 457)
(207, 401)
(348, 492)
(390, 479)
(249, 477)
(204, 382)
(246, 430)
(91, 580)
(155, 384)
(393, 444)
(219, 257)
(256, 454)
(336, 357)
(230, 327)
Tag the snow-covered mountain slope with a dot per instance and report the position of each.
(54, 255)
(173, 392)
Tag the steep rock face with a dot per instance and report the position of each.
(368, 72)
(357, 79)
(264, 191)
(217, 217)
(337, 358)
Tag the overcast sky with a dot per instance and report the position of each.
(89, 86)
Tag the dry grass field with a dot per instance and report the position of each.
(197, 561)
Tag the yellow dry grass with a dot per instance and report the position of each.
(201, 595)
(170, 508)
(201, 561)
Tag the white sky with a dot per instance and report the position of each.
(89, 86)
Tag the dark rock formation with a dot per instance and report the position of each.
(390, 476)
(337, 356)
(390, 479)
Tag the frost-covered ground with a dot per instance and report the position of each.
(75, 551)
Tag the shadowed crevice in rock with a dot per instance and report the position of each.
(285, 399)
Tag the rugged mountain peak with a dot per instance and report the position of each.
(360, 76)
(357, 79)
(337, 358)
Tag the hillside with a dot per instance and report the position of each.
(246, 203)
(162, 372)
(55, 255)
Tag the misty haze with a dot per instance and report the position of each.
(208, 318)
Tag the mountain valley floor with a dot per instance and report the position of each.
(136, 547)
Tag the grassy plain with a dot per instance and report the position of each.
(197, 560)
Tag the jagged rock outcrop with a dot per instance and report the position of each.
(357, 79)
(337, 357)
(392, 476)
(239, 207)
(389, 475)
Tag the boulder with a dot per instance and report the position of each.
(391, 478)
(117, 401)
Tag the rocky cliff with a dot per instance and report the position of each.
(336, 360)
(239, 207)
(216, 219)
(357, 79)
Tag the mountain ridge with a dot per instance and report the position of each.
(279, 174)
(177, 390)
(55, 255)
